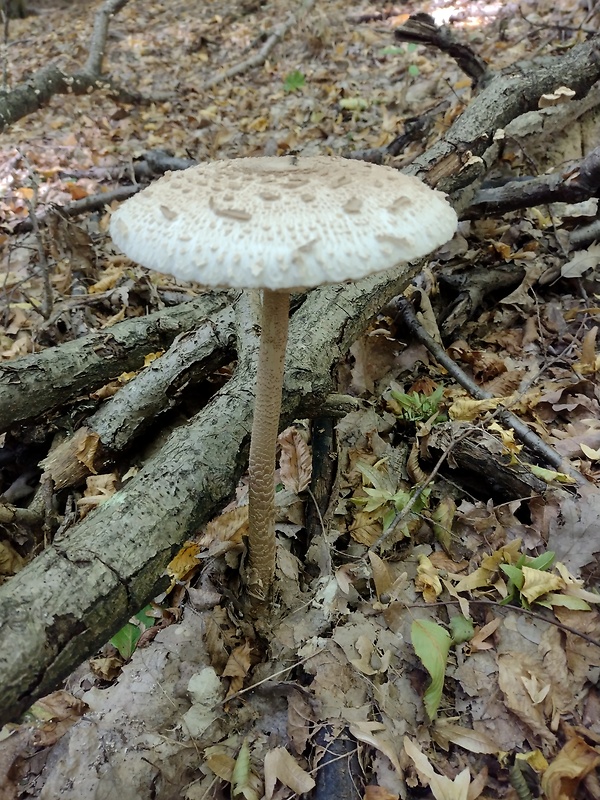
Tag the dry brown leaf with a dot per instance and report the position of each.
(88, 443)
(225, 532)
(588, 363)
(295, 461)
(288, 564)
(466, 410)
(373, 792)
(106, 668)
(220, 761)
(515, 676)
(98, 489)
(237, 667)
(582, 261)
(111, 276)
(446, 732)
(376, 734)
(58, 712)
(300, 720)
(185, 563)
(214, 641)
(366, 528)
(10, 561)
(283, 767)
(381, 574)
(442, 788)
(478, 642)
(574, 528)
(562, 778)
(428, 580)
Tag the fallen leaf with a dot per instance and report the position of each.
(295, 461)
(283, 767)
(562, 778)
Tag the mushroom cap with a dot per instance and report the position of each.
(281, 223)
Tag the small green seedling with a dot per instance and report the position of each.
(294, 80)
(387, 498)
(416, 407)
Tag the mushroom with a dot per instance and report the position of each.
(279, 224)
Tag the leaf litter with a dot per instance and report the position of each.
(364, 641)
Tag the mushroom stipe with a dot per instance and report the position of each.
(279, 224)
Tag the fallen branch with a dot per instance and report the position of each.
(35, 384)
(579, 182)
(141, 401)
(421, 29)
(36, 92)
(259, 58)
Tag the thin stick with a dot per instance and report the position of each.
(522, 431)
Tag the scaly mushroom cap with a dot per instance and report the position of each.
(281, 223)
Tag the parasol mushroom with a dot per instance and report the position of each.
(279, 224)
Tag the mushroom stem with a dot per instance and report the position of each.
(265, 427)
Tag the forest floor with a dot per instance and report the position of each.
(450, 651)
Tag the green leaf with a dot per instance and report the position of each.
(294, 80)
(566, 601)
(514, 573)
(391, 50)
(126, 640)
(461, 629)
(388, 518)
(241, 777)
(413, 70)
(146, 619)
(415, 406)
(542, 562)
(373, 475)
(431, 643)
(354, 103)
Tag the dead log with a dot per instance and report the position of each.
(36, 92)
(156, 389)
(35, 384)
(69, 601)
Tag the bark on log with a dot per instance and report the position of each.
(74, 595)
(35, 384)
(192, 357)
(484, 463)
(507, 96)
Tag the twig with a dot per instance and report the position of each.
(522, 431)
(578, 183)
(421, 29)
(259, 58)
(93, 65)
